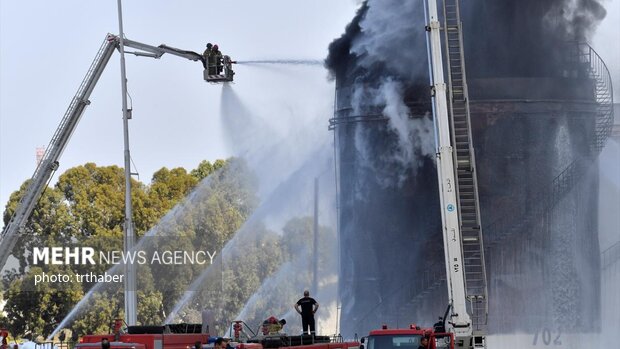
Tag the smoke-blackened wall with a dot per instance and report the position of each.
(524, 38)
(533, 117)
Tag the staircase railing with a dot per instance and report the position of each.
(545, 201)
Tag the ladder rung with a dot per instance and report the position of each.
(470, 239)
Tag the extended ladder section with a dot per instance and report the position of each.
(465, 166)
(49, 163)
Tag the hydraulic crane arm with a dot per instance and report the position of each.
(214, 70)
(49, 163)
(158, 51)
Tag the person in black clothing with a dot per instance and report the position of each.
(219, 343)
(308, 306)
(423, 343)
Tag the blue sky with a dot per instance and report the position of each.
(47, 46)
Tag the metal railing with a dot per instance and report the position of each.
(598, 71)
(545, 201)
(610, 256)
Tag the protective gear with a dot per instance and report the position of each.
(215, 48)
(209, 45)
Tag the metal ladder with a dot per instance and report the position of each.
(49, 163)
(465, 164)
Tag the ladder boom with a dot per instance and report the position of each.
(465, 164)
(49, 163)
(459, 318)
(158, 51)
(456, 168)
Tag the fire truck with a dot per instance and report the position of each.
(410, 338)
(196, 336)
(172, 336)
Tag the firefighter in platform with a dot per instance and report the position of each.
(208, 56)
(217, 59)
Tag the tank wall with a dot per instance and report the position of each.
(526, 133)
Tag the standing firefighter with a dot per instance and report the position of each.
(309, 306)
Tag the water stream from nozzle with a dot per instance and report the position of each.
(284, 61)
(117, 269)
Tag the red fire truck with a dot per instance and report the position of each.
(194, 336)
(407, 338)
(174, 336)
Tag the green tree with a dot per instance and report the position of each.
(205, 168)
(49, 225)
(298, 240)
(37, 307)
(86, 208)
(217, 209)
(103, 308)
(236, 275)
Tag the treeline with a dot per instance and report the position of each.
(196, 210)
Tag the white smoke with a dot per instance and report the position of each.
(390, 40)
(386, 36)
(414, 133)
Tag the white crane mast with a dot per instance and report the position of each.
(459, 318)
(458, 185)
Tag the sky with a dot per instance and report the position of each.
(46, 48)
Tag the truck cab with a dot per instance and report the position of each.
(406, 338)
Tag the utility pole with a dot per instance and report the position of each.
(130, 269)
(315, 245)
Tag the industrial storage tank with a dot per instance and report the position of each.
(540, 113)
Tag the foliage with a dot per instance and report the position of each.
(86, 208)
(205, 168)
(36, 308)
(205, 209)
(103, 308)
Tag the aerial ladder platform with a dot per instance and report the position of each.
(458, 186)
(465, 165)
(49, 163)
